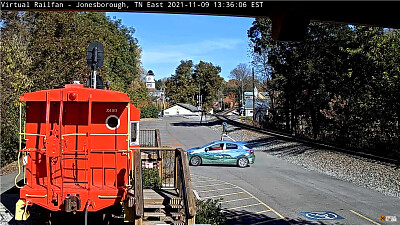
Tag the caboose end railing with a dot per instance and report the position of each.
(138, 193)
(178, 179)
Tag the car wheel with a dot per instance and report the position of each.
(243, 162)
(195, 161)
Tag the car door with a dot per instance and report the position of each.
(214, 154)
(231, 153)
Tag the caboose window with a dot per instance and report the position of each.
(134, 133)
(112, 122)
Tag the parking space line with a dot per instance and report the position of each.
(211, 185)
(364, 217)
(244, 191)
(217, 190)
(202, 181)
(278, 214)
(267, 221)
(244, 206)
(235, 200)
(263, 211)
(216, 196)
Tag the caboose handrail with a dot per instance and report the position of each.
(41, 135)
(74, 134)
(109, 134)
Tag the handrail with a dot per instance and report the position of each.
(153, 148)
(138, 185)
(186, 183)
(182, 181)
(40, 135)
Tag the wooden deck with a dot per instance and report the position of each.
(160, 197)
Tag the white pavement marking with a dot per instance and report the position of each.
(243, 191)
(196, 194)
(225, 135)
(5, 214)
(235, 200)
(212, 190)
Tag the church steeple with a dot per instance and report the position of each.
(150, 82)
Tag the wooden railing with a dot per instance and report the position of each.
(138, 194)
(149, 138)
(182, 181)
(184, 185)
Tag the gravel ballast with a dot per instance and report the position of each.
(363, 172)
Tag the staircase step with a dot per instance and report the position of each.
(154, 214)
(159, 222)
(160, 206)
(162, 214)
(177, 222)
(155, 206)
(154, 223)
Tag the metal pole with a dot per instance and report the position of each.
(94, 79)
(254, 99)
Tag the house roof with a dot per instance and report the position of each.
(260, 103)
(188, 107)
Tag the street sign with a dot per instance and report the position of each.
(321, 215)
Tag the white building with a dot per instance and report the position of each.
(182, 109)
(150, 82)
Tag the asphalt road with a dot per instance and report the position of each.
(273, 191)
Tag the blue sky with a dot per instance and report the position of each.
(166, 39)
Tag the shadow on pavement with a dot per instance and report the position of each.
(274, 146)
(217, 165)
(245, 217)
(195, 123)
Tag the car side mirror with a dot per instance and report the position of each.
(206, 149)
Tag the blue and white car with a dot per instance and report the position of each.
(222, 152)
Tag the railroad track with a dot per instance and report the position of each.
(311, 143)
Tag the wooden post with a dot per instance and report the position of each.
(160, 160)
(138, 187)
(188, 184)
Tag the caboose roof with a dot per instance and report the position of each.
(81, 94)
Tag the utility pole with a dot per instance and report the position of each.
(254, 99)
(243, 103)
(163, 100)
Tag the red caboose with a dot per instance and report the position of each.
(78, 146)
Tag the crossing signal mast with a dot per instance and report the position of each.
(95, 60)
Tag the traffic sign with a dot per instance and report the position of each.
(321, 215)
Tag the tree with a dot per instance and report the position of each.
(190, 79)
(338, 85)
(159, 84)
(180, 87)
(242, 74)
(206, 75)
(44, 50)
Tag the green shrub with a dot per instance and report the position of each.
(210, 212)
(151, 179)
(151, 111)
